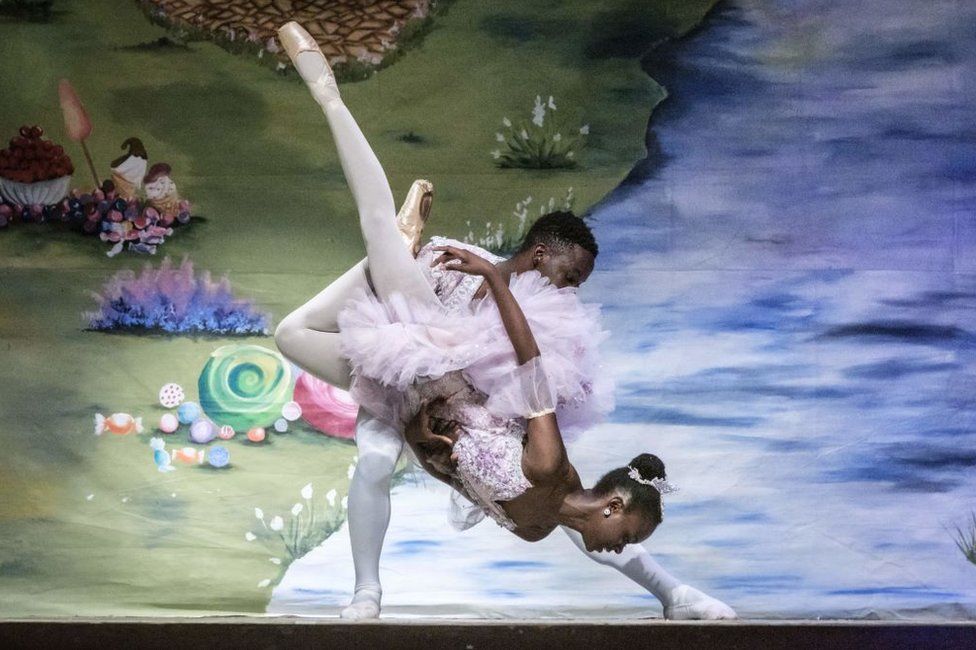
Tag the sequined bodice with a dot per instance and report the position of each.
(489, 449)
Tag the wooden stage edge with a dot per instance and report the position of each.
(474, 634)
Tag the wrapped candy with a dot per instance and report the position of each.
(160, 457)
(327, 408)
(118, 423)
(189, 455)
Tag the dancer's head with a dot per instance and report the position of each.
(629, 506)
(560, 246)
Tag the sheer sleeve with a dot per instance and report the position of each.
(524, 392)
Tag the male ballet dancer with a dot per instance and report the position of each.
(309, 337)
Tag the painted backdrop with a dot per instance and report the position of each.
(783, 194)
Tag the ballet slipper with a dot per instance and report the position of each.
(365, 604)
(310, 62)
(689, 604)
(414, 212)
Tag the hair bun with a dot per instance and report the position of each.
(649, 466)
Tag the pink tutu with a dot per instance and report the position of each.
(391, 345)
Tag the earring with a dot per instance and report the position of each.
(606, 513)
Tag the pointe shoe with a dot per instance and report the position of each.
(414, 212)
(365, 604)
(689, 604)
(309, 60)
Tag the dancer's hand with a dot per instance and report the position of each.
(433, 438)
(465, 261)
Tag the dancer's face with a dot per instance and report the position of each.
(622, 527)
(565, 267)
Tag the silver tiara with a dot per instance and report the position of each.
(659, 484)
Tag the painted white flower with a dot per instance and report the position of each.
(552, 104)
(274, 560)
(331, 497)
(506, 121)
(277, 523)
(557, 137)
(528, 200)
(296, 509)
(307, 491)
(500, 137)
(264, 583)
(259, 513)
(344, 502)
(89, 497)
(496, 154)
(538, 112)
(249, 536)
(570, 154)
(585, 129)
(525, 134)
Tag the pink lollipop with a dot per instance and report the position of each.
(325, 407)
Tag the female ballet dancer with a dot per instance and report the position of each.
(309, 337)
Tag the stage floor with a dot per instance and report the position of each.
(289, 632)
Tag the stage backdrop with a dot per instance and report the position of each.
(783, 194)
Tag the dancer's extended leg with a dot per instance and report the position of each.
(309, 336)
(369, 510)
(393, 268)
(680, 601)
(393, 271)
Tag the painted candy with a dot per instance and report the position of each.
(218, 456)
(203, 431)
(189, 412)
(256, 434)
(188, 455)
(281, 425)
(160, 457)
(245, 385)
(327, 408)
(117, 423)
(171, 395)
(168, 423)
(226, 432)
(291, 411)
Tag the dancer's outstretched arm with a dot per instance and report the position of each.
(545, 453)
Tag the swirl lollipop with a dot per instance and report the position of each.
(327, 408)
(244, 386)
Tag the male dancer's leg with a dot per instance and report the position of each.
(680, 601)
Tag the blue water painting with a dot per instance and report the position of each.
(790, 281)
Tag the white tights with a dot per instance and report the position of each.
(309, 337)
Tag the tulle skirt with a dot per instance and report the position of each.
(392, 345)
